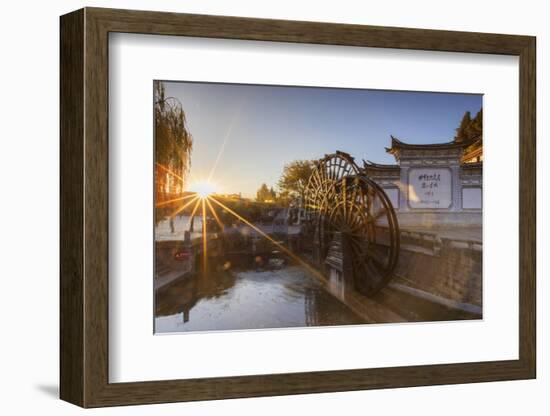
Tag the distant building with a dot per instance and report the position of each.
(473, 153)
(234, 196)
(433, 185)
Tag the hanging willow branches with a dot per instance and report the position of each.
(173, 145)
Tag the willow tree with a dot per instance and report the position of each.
(173, 146)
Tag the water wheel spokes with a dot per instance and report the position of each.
(342, 202)
(364, 215)
(321, 190)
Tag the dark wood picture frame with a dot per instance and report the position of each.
(84, 207)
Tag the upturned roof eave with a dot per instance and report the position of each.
(397, 145)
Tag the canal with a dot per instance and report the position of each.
(249, 298)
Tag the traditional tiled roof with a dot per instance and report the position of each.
(473, 151)
(397, 145)
(379, 170)
(367, 164)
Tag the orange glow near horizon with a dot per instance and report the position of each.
(203, 188)
(202, 194)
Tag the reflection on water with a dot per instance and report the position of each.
(248, 299)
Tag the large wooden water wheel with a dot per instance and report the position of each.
(342, 201)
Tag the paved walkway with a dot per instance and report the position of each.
(456, 233)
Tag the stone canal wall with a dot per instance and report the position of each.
(447, 267)
(436, 266)
(178, 258)
(173, 259)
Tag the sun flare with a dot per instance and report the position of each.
(203, 188)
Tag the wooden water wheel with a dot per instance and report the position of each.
(341, 200)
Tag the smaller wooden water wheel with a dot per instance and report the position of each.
(341, 200)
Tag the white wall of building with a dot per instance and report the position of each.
(471, 198)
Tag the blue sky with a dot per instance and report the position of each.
(253, 130)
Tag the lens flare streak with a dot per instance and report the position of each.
(194, 209)
(180, 209)
(213, 211)
(171, 201)
(170, 172)
(204, 239)
(276, 243)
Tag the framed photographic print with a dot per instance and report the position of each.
(256, 207)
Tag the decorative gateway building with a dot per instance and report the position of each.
(433, 186)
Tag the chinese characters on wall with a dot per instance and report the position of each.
(430, 188)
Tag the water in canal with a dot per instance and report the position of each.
(248, 299)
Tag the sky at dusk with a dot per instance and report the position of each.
(244, 134)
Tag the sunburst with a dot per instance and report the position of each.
(202, 193)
